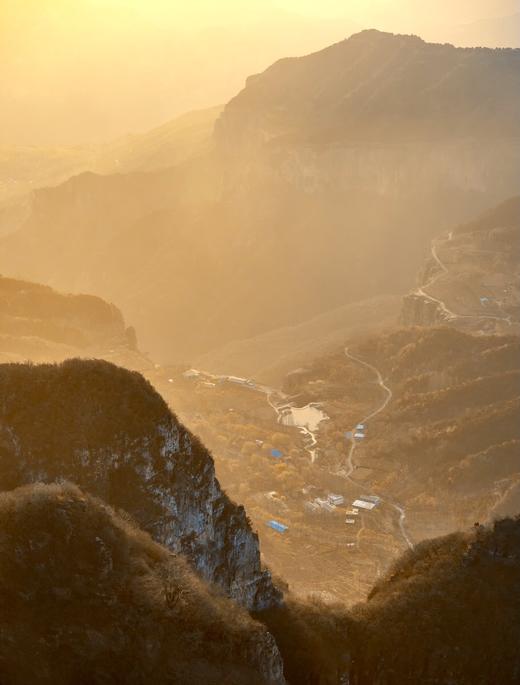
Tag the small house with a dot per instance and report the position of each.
(277, 526)
(324, 504)
(362, 504)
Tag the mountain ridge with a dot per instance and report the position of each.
(276, 224)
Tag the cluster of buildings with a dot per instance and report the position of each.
(209, 380)
(358, 434)
(366, 502)
(327, 504)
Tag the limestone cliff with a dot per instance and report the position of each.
(106, 429)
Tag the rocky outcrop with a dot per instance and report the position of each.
(106, 429)
(41, 324)
(418, 310)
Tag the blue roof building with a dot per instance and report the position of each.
(277, 526)
(276, 454)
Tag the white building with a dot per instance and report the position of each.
(324, 504)
(361, 504)
(336, 500)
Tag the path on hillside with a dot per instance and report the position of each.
(353, 444)
(448, 313)
(382, 407)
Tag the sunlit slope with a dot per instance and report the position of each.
(270, 356)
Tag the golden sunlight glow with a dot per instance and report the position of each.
(101, 68)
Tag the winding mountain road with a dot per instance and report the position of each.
(353, 444)
(382, 407)
(448, 313)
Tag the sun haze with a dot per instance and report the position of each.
(91, 70)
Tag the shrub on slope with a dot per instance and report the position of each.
(88, 598)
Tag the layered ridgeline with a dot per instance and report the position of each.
(89, 598)
(107, 430)
(24, 169)
(330, 175)
(39, 324)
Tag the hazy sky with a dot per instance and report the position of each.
(91, 70)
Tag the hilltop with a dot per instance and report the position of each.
(378, 87)
(42, 325)
(87, 597)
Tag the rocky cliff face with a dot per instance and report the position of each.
(106, 429)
